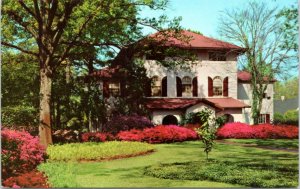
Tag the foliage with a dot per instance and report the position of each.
(291, 117)
(290, 27)
(208, 129)
(96, 137)
(96, 151)
(20, 152)
(257, 29)
(250, 174)
(19, 115)
(288, 88)
(125, 123)
(33, 179)
(194, 118)
(262, 131)
(159, 134)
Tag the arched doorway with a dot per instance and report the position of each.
(229, 118)
(170, 120)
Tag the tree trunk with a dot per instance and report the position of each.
(45, 95)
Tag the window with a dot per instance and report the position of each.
(186, 86)
(264, 118)
(217, 86)
(217, 56)
(156, 86)
(114, 88)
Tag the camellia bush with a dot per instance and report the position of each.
(159, 134)
(20, 152)
(262, 131)
(125, 123)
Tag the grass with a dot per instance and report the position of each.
(274, 143)
(130, 172)
(92, 151)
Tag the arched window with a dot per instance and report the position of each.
(155, 86)
(186, 86)
(217, 86)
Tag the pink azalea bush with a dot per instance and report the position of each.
(20, 152)
(262, 131)
(159, 134)
(96, 137)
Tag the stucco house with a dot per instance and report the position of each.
(213, 81)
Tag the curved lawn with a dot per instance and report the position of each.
(130, 172)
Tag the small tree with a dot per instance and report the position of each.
(208, 129)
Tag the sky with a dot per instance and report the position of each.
(203, 15)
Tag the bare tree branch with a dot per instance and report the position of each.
(19, 48)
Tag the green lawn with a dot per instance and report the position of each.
(130, 172)
(275, 143)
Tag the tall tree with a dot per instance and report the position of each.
(258, 30)
(50, 31)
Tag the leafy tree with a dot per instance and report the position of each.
(51, 31)
(208, 129)
(287, 88)
(259, 31)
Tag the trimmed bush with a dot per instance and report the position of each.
(92, 151)
(21, 152)
(262, 131)
(125, 123)
(159, 134)
(33, 179)
(96, 137)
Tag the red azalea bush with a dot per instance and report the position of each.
(126, 123)
(20, 152)
(96, 137)
(159, 134)
(261, 131)
(33, 179)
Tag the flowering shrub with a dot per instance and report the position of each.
(159, 134)
(262, 131)
(20, 152)
(33, 179)
(96, 137)
(125, 123)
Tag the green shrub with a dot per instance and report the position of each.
(250, 174)
(291, 117)
(96, 151)
(19, 115)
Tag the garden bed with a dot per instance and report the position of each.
(92, 151)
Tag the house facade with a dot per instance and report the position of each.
(211, 81)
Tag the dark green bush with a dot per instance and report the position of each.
(291, 117)
(19, 115)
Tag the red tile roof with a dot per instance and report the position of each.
(182, 103)
(246, 77)
(195, 40)
(227, 102)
